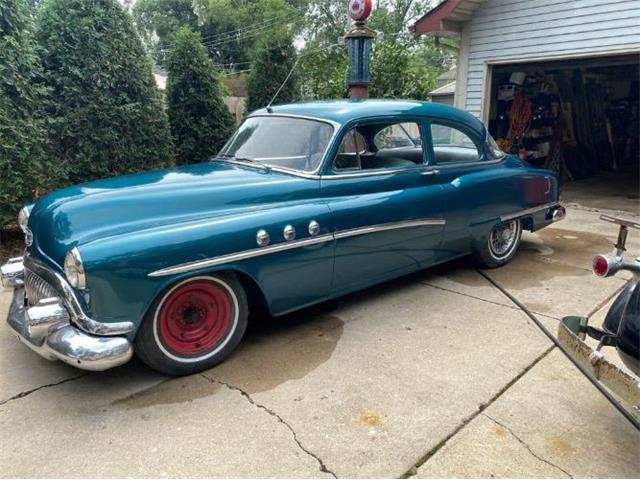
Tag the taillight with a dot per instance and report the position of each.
(600, 266)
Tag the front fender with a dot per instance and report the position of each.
(119, 284)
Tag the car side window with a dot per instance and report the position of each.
(452, 145)
(351, 149)
(398, 135)
(380, 147)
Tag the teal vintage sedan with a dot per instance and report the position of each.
(306, 202)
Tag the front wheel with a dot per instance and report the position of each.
(501, 245)
(193, 325)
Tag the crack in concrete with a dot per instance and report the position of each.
(525, 445)
(512, 307)
(322, 466)
(48, 385)
(481, 408)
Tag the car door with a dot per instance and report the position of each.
(385, 209)
(474, 186)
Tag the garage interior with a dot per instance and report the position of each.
(577, 117)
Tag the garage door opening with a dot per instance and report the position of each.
(577, 117)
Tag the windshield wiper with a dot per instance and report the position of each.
(248, 161)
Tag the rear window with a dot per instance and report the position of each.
(451, 145)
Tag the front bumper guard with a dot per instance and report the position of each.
(45, 328)
(12, 273)
(571, 334)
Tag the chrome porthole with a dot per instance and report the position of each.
(289, 233)
(504, 238)
(263, 238)
(314, 228)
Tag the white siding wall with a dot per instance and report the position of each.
(514, 30)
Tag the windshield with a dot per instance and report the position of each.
(293, 143)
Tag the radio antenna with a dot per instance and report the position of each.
(269, 109)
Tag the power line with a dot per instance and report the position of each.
(241, 29)
(239, 33)
(299, 56)
(251, 26)
(231, 64)
(248, 34)
(229, 73)
(214, 43)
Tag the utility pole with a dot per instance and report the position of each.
(359, 46)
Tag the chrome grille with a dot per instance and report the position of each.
(36, 288)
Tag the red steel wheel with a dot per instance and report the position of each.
(194, 324)
(196, 317)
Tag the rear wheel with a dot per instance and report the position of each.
(193, 325)
(501, 245)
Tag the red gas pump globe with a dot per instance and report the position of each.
(359, 10)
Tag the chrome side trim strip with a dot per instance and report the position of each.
(478, 163)
(258, 166)
(423, 169)
(281, 247)
(528, 211)
(375, 173)
(387, 226)
(236, 257)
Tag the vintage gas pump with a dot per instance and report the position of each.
(359, 47)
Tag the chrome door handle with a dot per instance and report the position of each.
(429, 172)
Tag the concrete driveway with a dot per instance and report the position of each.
(436, 374)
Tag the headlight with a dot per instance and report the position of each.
(74, 270)
(23, 218)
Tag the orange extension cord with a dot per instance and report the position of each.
(520, 119)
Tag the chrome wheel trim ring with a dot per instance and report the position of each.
(234, 320)
(503, 239)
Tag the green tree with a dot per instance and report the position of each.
(21, 119)
(107, 117)
(399, 70)
(200, 121)
(322, 71)
(273, 59)
(158, 20)
(232, 28)
(402, 65)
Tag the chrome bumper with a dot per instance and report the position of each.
(45, 328)
(571, 334)
(12, 273)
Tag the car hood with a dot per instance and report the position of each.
(120, 205)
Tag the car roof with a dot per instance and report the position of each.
(345, 111)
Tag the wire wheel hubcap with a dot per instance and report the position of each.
(503, 238)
